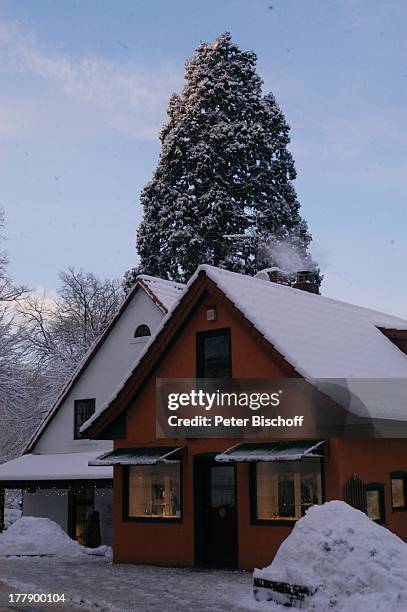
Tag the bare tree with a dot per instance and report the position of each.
(8, 291)
(42, 342)
(58, 334)
(14, 376)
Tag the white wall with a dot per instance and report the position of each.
(102, 377)
(47, 503)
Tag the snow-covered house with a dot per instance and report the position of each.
(231, 502)
(53, 471)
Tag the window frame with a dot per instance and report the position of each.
(399, 475)
(199, 348)
(76, 433)
(126, 518)
(377, 486)
(253, 497)
(138, 336)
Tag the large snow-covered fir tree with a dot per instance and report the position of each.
(222, 191)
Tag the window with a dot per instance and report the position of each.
(83, 411)
(213, 354)
(154, 492)
(142, 331)
(375, 502)
(399, 490)
(284, 490)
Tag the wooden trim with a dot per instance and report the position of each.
(397, 336)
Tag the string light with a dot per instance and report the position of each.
(61, 492)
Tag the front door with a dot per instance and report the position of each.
(215, 513)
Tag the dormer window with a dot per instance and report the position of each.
(142, 331)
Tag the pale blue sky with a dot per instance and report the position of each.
(83, 91)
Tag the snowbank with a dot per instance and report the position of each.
(357, 564)
(33, 536)
(10, 516)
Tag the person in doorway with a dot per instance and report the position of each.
(92, 533)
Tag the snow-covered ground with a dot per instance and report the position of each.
(99, 585)
(357, 566)
(36, 555)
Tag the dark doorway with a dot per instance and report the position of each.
(215, 513)
(81, 506)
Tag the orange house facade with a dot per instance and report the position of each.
(186, 502)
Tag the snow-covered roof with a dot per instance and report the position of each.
(163, 293)
(62, 466)
(270, 451)
(319, 336)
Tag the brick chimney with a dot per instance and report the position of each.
(275, 275)
(305, 280)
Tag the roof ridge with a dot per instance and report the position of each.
(304, 294)
(148, 277)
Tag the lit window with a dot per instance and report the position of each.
(155, 491)
(142, 331)
(286, 489)
(83, 411)
(399, 491)
(375, 502)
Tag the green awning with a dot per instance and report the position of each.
(271, 451)
(143, 455)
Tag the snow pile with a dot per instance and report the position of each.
(10, 516)
(34, 536)
(357, 564)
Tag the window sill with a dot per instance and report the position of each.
(274, 522)
(141, 340)
(150, 519)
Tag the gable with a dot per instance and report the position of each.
(106, 363)
(250, 357)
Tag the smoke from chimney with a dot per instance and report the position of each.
(292, 268)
